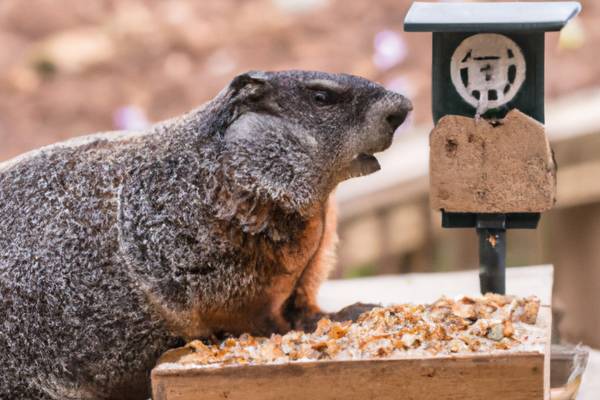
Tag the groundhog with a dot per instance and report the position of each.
(118, 246)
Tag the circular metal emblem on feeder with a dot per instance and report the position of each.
(487, 70)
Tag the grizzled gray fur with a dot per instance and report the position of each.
(116, 247)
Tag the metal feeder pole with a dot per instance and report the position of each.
(491, 229)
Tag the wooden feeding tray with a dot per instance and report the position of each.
(519, 374)
(515, 376)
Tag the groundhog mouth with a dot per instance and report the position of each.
(363, 164)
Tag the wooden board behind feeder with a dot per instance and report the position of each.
(502, 166)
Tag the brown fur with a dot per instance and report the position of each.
(306, 264)
(311, 264)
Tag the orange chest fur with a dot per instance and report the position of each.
(262, 313)
(295, 257)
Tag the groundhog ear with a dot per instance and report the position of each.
(251, 85)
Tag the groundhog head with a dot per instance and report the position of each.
(297, 134)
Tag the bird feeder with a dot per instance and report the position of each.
(491, 166)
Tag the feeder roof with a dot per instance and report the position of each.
(490, 17)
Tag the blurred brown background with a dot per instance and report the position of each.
(72, 67)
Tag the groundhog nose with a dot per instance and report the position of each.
(398, 108)
(396, 118)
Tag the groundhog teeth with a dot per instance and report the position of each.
(492, 323)
(363, 164)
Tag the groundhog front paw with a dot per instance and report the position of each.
(307, 321)
(352, 312)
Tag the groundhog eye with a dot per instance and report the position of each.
(322, 97)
